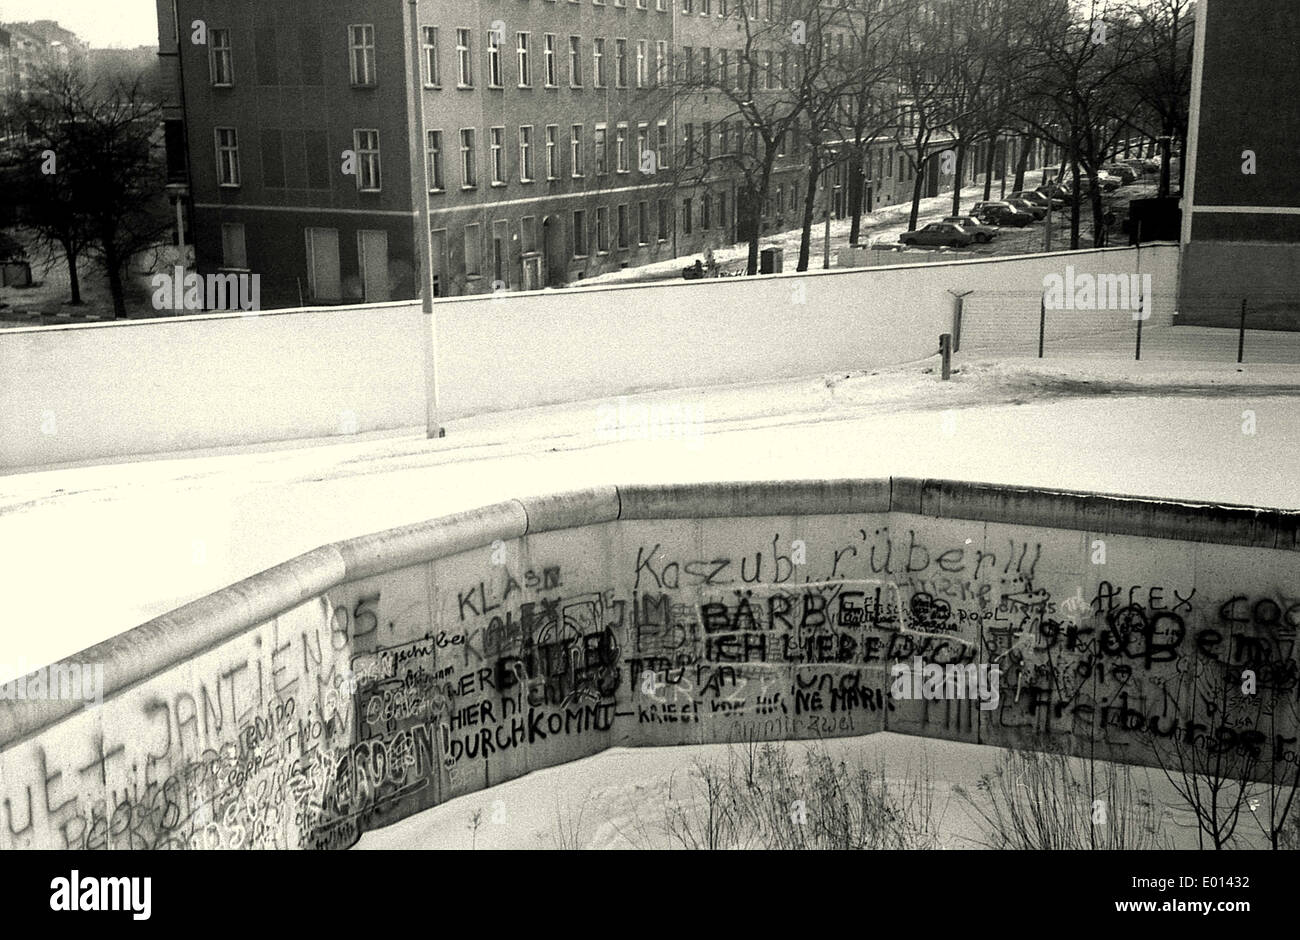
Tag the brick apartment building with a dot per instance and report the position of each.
(535, 115)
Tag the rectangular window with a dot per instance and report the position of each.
(723, 68)
(620, 63)
(785, 70)
(575, 62)
(366, 143)
(466, 77)
(602, 151)
(473, 250)
(706, 140)
(661, 145)
(575, 151)
(526, 153)
(528, 234)
(579, 233)
(496, 143)
(494, 59)
(688, 144)
(323, 281)
(227, 156)
(724, 128)
(686, 216)
(663, 219)
(602, 229)
(686, 6)
(525, 70)
(468, 159)
(234, 253)
(273, 176)
(552, 157)
(688, 63)
(361, 40)
(620, 148)
(622, 226)
(598, 63)
(661, 5)
(548, 55)
(645, 160)
(706, 212)
(767, 71)
(267, 53)
(640, 63)
(642, 222)
(221, 65)
(432, 70)
(722, 209)
(704, 8)
(434, 154)
(706, 65)
(661, 62)
(640, 4)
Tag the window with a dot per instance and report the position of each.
(602, 229)
(704, 8)
(724, 129)
(361, 39)
(620, 63)
(688, 63)
(494, 59)
(528, 234)
(598, 63)
(496, 144)
(661, 61)
(706, 64)
(367, 147)
(686, 6)
(548, 59)
(227, 156)
(706, 211)
(575, 151)
(234, 254)
(642, 222)
(466, 77)
(722, 209)
(526, 153)
(785, 70)
(602, 151)
(767, 70)
(221, 65)
(686, 216)
(575, 62)
(640, 4)
(722, 8)
(661, 145)
(323, 282)
(640, 63)
(661, 5)
(706, 141)
(552, 157)
(620, 148)
(434, 156)
(723, 68)
(688, 144)
(644, 160)
(622, 227)
(273, 176)
(468, 162)
(432, 72)
(579, 233)
(525, 72)
(663, 219)
(473, 250)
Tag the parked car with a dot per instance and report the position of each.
(983, 234)
(1032, 195)
(1024, 205)
(1109, 182)
(1054, 195)
(1125, 173)
(1001, 213)
(938, 233)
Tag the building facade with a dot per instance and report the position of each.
(547, 142)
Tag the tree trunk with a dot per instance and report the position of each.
(956, 179)
(754, 214)
(1075, 201)
(916, 191)
(74, 279)
(989, 163)
(809, 207)
(855, 196)
(1098, 227)
(113, 266)
(1022, 164)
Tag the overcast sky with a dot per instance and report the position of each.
(102, 23)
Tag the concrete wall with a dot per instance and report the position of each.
(373, 678)
(151, 386)
(96, 392)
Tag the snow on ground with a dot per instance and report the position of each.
(617, 799)
(88, 552)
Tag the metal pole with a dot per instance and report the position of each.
(1042, 323)
(1137, 355)
(956, 327)
(424, 265)
(1241, 333)
(945, 353)
(826, 236)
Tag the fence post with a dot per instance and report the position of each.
(1042, 323)
(945, 353)
(1241, 332)
(1137, 355)
(956, 325)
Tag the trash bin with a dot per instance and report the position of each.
(770, 261)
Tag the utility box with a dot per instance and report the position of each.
(770, 260)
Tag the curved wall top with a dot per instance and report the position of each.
(372, 678)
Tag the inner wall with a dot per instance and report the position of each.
(397, 692)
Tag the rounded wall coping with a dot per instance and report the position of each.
(176, 637)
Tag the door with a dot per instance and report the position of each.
(438, 261)
(323, 264)
(372, 250)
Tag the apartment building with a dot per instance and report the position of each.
(547, 143)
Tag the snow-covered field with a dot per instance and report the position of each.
(86, 553)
